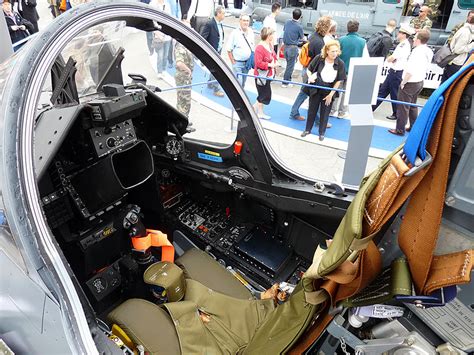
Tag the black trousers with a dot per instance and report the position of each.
(226, 5)
(316, 101)
(449, 71)
(409, 93)
(264, 92)
(390, 86)
(237, 4)
(184, 6)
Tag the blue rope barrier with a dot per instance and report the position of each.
(190, 85)
(324, 87)
(290, 82)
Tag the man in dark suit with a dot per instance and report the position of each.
(18, 27)
(213, 32)
(27, 9)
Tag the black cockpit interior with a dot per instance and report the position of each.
(122, 168)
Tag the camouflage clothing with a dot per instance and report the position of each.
(419, 24)
(454, 30)
(434, 6)
(182, 77)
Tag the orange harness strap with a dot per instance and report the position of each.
(155, 238)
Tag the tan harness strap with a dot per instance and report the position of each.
(424, 210)
(379, 202)
(419, 231)
(370, 266)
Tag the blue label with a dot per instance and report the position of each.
(210, 157)
(3, 219)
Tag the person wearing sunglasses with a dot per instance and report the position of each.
(422, 22)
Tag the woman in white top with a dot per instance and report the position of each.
(327, 70)
(161, 42)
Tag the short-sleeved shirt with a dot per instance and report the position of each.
(292, 33)
(401, 54)
(418, 63)
(419, 24)
(238, 46)
(200, 8)
(270, 21)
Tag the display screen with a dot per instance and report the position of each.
(98, 186)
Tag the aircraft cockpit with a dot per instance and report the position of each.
(133, 166)
(131, 146)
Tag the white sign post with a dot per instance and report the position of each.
(6, 49)
(361, 93)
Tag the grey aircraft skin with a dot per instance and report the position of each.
(372, 15)
(65, 223)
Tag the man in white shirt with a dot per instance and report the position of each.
(270, 21)
(461, 43)
(397, 62)
(240, 46)
(412, 82)
(202, 10)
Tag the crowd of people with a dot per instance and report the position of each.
(324, 56)
(22, 16)
(327, 60)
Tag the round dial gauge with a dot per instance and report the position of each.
(174, 146)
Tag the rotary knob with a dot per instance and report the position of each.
(111, 142)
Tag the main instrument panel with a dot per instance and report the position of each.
(247, 246)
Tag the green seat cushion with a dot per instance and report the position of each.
(147, 324)
(199, 266)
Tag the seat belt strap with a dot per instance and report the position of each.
(381, 196)
(417, 139)
(420, 228)
(155, 238)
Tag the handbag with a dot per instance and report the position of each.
(444, 56)
(261, 81)
(250, 63)
(192, 20)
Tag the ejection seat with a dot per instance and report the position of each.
(151, 326)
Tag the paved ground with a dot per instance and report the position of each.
(307, 156)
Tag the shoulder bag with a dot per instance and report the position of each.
(250, 64)
(192, 20)
(444, 55)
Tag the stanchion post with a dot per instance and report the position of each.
(363, 73)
